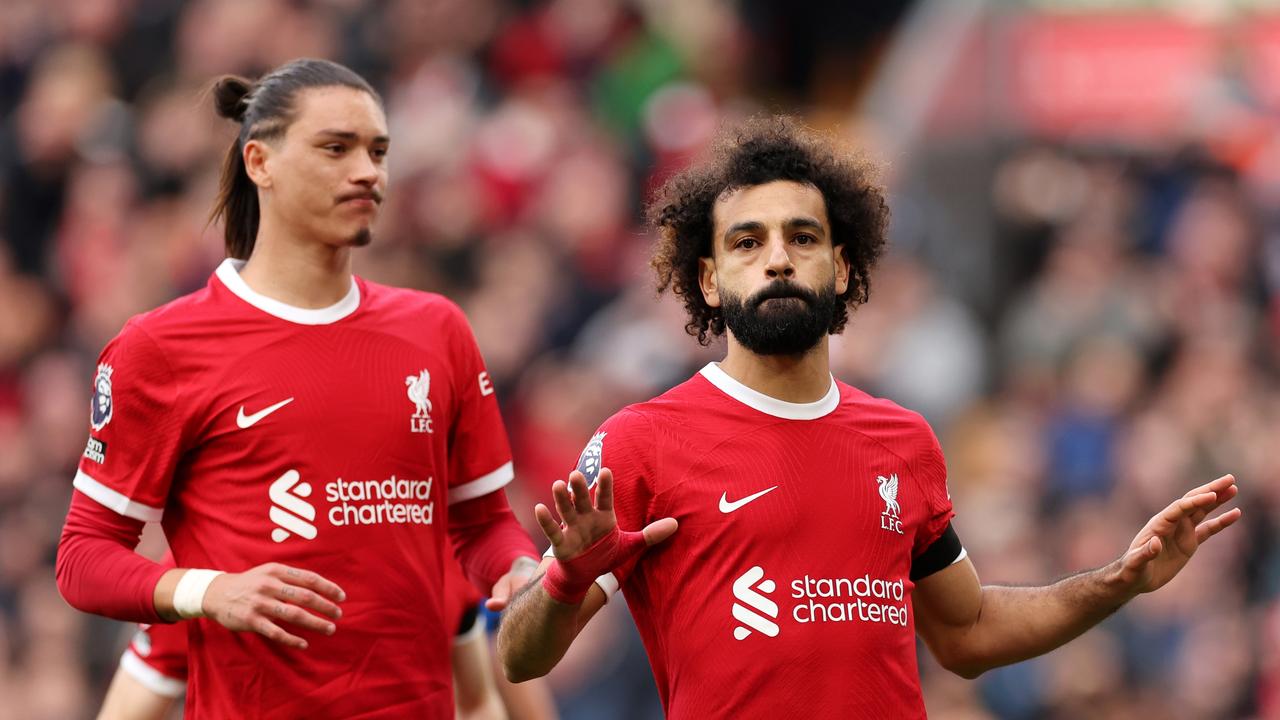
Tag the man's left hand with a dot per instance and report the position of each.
(517, 577)
(1166, 544)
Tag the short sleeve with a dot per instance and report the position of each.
(623, 444)
(157, 658)
(931, 467)
(135, 428)
(479, 452)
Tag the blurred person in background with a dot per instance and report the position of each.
(288, 370)
(772, 239)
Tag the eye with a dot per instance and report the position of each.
(804, 239)
(334, 148)
(379, 153)
(748, 243)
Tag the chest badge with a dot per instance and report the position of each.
(418, 386)
(891, 518)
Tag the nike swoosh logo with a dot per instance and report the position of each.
(244, 421)
(728, 507)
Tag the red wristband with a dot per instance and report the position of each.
(568, 581)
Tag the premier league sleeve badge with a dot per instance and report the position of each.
(589, 462)
(101, 406)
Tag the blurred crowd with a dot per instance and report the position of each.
(1125, 350)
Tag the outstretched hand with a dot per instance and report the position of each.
(586, 522)
(588, 543)
(1167, 542)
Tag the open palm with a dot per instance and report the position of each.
(1167, 542)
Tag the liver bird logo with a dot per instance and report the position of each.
(418, 387)
(889, 493)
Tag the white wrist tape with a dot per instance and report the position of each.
(188, 596)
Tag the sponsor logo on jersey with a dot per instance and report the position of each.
(96, 450)
(418, 387)
(816, 600)
(589, 462)
(891, 518)
(289, 511)
(861, 599)
(392, 501)
(101, 407)
(753, 610)
(375, 502)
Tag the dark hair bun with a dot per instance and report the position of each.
(230, 96)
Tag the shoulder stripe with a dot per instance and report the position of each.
(482, 485)
(151, 678)
(113, 500)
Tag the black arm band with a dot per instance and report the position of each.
(940, 555)
(468, 620)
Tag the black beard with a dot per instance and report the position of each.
(362, 238)
(787, 326)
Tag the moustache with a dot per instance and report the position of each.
(373, 195)
(781, 290)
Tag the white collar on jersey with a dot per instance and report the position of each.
(771, 405)
(229, 273)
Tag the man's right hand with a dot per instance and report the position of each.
(257, 599)
(588, 543)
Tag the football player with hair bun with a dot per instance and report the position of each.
(309, 498)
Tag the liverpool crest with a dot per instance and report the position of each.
(418, 387)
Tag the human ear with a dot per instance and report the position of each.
(707, 281)
(257, 156)
(842, 269)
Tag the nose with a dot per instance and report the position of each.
(365, 171)
(778, 264)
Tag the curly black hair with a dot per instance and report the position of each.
(763, 150)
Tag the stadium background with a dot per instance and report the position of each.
(1081, 297)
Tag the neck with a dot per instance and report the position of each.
(297, 271)
(793, 378)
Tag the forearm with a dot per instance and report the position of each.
(537, 630)
(1018, 623)
(98, 571)
(487, 538)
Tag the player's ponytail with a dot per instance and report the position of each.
(264, 109)
(237, 203)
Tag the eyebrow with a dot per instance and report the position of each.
(802, 221)
(350, 136)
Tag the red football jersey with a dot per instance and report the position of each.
(157, 654)
(329, 439)
(786, 590)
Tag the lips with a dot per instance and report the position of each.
(780, 292)
(371, 198)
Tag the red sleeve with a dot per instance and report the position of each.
(157, 658)
(479, 453)
(932, 468)
(98, 571)
(487, 538)
(135, 428)
(460, 595)
(624, 444)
